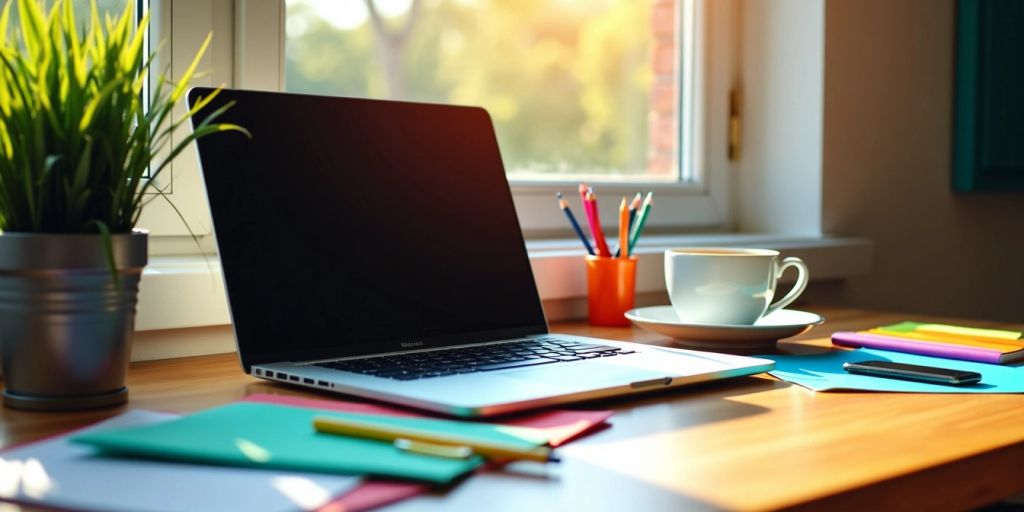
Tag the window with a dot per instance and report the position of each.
(604, 91)
(577, 90)
(612, 91)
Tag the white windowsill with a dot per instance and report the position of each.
(187, 291)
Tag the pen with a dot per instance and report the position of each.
(590, 204)
(392, 433)
(437, 450)
(564, 205)
(641, 218)
(623, 229)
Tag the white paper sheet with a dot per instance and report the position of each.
(57, 473)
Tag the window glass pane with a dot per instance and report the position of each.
(577, 89)
(112, 7)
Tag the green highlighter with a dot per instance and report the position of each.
(283, 437)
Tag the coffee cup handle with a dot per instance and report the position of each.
(798, 287)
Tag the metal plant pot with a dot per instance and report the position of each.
(65, 329)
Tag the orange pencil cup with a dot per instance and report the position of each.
(611, 289)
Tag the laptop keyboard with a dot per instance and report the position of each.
(483, 358)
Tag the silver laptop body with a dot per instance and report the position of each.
(490, 393)
(371, 248)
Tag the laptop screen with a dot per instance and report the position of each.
(351, 226)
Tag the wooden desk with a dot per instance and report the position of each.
(750, 443)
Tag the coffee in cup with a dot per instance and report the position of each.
(728, 286)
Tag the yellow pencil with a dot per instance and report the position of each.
(623, 229)
(391, 433)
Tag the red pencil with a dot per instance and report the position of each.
(590, 203)
(586, 212)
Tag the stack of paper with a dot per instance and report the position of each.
(282, 437)
(559, 426)
(59, 474)
(939, 340)
(193, 463)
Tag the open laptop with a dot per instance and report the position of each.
(372, 248)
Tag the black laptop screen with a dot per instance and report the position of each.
(350, 226)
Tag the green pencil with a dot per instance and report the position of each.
(641, 218)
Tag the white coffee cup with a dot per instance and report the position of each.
(728, 286)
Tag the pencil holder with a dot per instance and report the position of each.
(611, 289)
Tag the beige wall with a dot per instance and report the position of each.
(781, 65)
(887, 164)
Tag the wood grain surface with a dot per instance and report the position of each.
(753, 443)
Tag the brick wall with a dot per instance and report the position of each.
(663, 121)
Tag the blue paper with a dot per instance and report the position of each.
(824, 372)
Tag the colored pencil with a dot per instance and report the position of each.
(641, 219)
(564, 205)
(623, 229)
(634, 205)
(590, 203)
(583, 200)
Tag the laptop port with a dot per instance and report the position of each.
(321, 383)
(258, 372)
(307, 381)
(293, 378)
(282, 376)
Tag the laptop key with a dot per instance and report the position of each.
(517, 364)
(566, 358)
(597, 348)
(589, 346)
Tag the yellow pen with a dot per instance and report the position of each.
(392, 433)
(437, 450)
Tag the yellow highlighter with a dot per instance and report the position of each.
(429, 442)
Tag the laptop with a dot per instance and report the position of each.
(372, 248)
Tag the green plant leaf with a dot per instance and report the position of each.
(5, 20)
(108, 245)
(77, 138)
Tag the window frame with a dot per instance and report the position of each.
(177, 31)
(248, 53)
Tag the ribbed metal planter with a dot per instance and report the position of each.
(65, 329)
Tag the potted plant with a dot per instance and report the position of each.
(79, 146)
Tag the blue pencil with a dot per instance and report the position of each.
(564, 205)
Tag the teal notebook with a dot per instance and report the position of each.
(282, 437)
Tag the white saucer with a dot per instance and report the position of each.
(762, 335)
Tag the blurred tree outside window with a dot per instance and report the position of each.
(112, 7)
(577, 89)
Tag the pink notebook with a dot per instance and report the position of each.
(561, 426)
